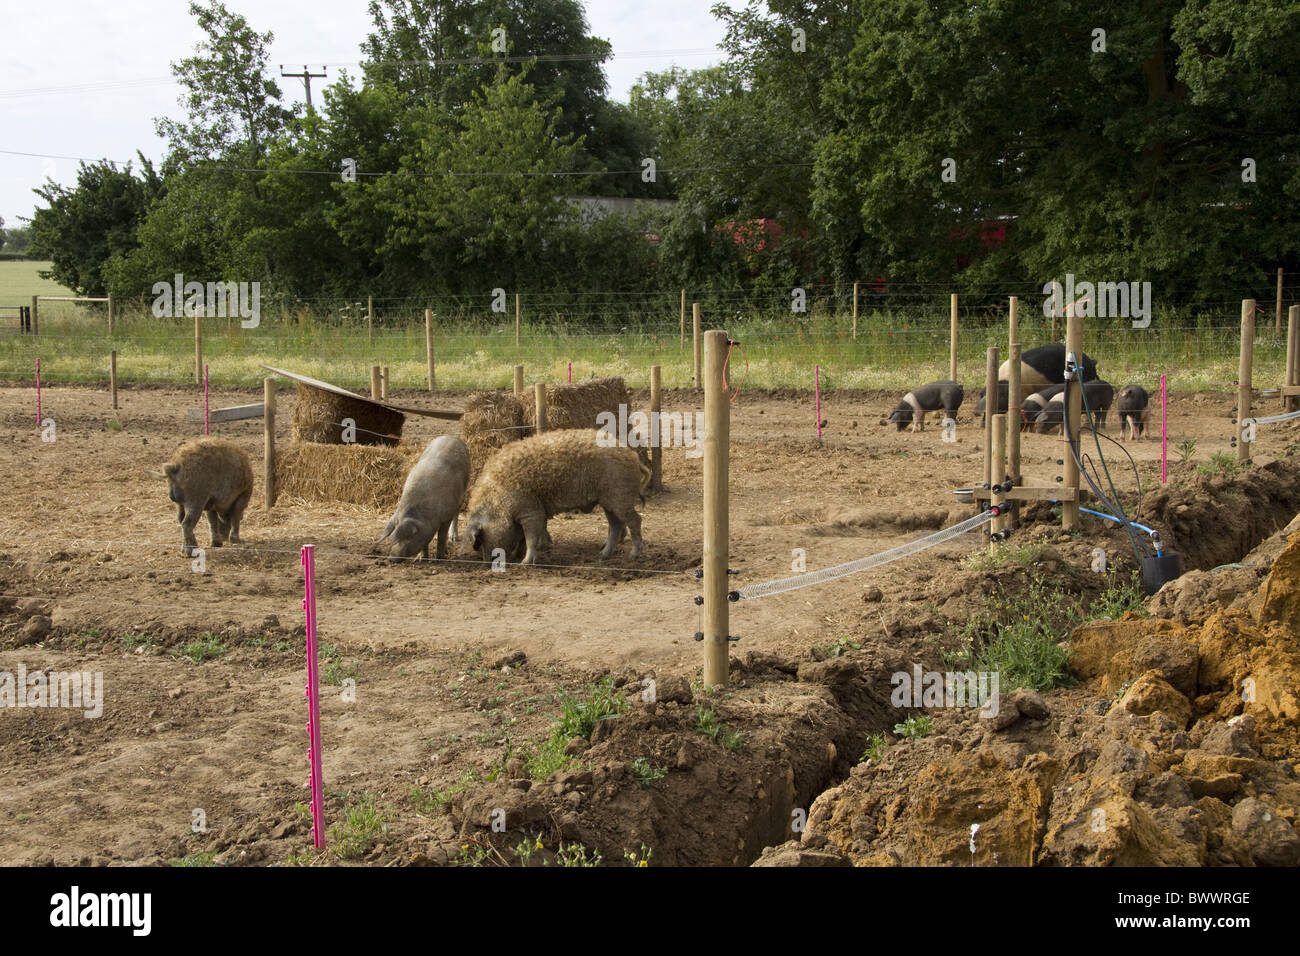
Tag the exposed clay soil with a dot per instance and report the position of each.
(457, 668)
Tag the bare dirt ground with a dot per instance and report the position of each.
(453, 664)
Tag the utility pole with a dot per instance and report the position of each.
(306, 76)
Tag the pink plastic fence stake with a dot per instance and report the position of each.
(38, 393)
(817, 388)
(313, 698)
(1164, 431)
(570, 371)
(205, 399)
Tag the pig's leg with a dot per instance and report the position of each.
(534, 525)
(441, 550)
(236, 515)
(632, 520)
(188, 541)
(615, 530)
(455, 527)
(214, 527)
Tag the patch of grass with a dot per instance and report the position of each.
(194, 859)
(1119, 598)
(134, 640)
(579, 714)
(1026, 555)
(362, 825)
(1018, 636)
(1186, 449)
(1221, 463)
(206, 648)
(875, 748)
(708, 724)
(427, 801)
(646, 774)
(114, 425)
(915, 728)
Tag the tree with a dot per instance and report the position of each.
(233, 105)
(82, 228)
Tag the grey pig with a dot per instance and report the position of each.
(912, 407)
(430, 501)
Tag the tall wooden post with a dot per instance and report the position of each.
(1070, 427)
(110, 315)
(952, 344)
(112, 376)
(1013, 321)
(198, 350)
(519, 381)
(682, 344)
(383, 383)
(990, 408)
(428, 344)
(35, 323)
(656, 433)
(376, 389)
(1277, 320)
(855, 310)
(370, 320)
(268, 442)
(1244, 395)
(1292, 377)
(717, 448)
(518, 309)
(539, 398)
(1013, 428)
(998, 460)
(695, 314)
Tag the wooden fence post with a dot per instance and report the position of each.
(539, 397)
(198, 350)
(1292, 377)
(517, 312)
(1013, 428)
(519, 381)
(952, 341)
(717, 444)
(1070, 425)
(1247, 362)
(112, 376)
(998, 462)
(695, 313)
(35, 324)
(376, 389)
(110, 316)
(656, 433)
(990, 408)
(428, 344)
(383, 383)
(855, 310)
(268, 441)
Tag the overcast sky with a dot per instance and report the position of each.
(85, 78)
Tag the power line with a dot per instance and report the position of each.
(306, 76)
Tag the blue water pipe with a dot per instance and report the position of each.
(1155, 536)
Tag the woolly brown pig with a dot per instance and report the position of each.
(430, 500)
(528, 481)
(209, 475)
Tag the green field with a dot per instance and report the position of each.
(893, 350)
(19, 282)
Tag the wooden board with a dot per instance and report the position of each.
(445, 414)
(1031, 493)
(233, 414)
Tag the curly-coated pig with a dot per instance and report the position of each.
(430, 501)
(212, 476)
(528, 481)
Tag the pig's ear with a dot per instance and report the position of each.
(388, 529)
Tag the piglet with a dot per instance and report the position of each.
(928, 398)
